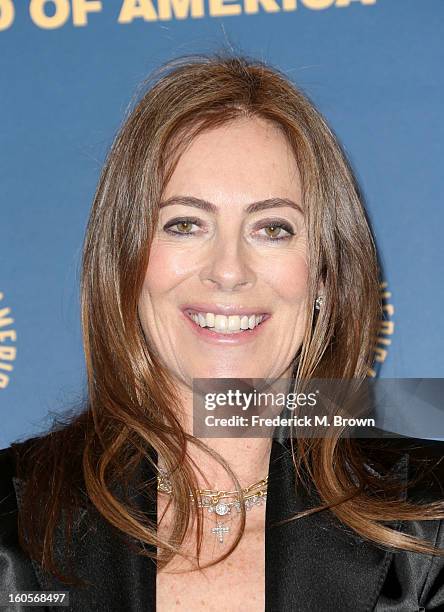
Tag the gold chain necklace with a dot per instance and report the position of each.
(221, 503)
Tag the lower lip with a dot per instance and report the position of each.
(235, 338)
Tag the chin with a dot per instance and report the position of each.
(230, 372)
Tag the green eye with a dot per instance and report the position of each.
(184, 227)
(274, 230)
(277, 230)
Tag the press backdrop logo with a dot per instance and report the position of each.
(8, 351)
(386, 330)
(52, 14)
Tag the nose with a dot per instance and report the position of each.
(227, 267)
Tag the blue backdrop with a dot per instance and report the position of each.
(68, 69)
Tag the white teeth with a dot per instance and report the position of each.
(234, 323)
(220, 322)
(226, 324)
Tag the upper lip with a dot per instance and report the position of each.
(224, 309)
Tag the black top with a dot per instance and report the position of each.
(312, 564)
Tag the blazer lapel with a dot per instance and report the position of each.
(314, 563)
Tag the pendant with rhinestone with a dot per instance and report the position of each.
(220, 509)
(220, 530)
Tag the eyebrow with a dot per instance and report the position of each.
(212, 208)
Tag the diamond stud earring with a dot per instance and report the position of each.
(318, 302)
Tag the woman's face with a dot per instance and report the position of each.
(230, 248)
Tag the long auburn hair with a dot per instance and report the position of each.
(132, 405)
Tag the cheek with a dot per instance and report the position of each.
(166, 268)
(289, 278)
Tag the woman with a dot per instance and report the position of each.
(227, 239)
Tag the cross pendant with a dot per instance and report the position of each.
(220, 530)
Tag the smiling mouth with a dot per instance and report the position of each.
(226, 324)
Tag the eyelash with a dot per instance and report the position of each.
(195, 221)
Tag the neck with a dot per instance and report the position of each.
(248, 457)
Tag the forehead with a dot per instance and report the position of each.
(240, 161)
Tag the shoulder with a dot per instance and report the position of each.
(419, 461)
(8, 501)
(426, 469)
(17, 568)
(8, 471)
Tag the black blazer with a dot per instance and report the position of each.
(313, 564)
